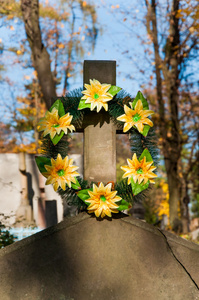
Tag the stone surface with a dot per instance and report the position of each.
(99, 131)
(82, 259)
(102, 70)
(100, 153)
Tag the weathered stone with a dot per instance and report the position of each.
(24, 214)
(99, 131)
(102, 70)
(100, 153)
(82, 259)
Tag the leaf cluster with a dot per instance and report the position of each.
(5, 237)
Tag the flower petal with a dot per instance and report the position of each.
(139, 105)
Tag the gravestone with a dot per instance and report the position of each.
(24, 213)
(116, 259)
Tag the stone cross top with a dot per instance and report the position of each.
(99, 131)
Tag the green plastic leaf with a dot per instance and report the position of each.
(59, 106)
(57, 137)
(76, 186)
(84, 195)
(41, 161)
(146, 130)
(114, 90)
(147, 154)
(139, 96)
(83, 105)
(137, 188)
(123, 204)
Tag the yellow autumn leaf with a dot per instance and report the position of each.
(35, 73)
(9, 17)
(191, 29)
(61, 46)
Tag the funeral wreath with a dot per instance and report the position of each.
(132, 115)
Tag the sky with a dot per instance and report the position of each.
(116, 39)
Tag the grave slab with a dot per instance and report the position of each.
(82, 258)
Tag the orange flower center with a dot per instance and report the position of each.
(96, 96)
(103, 198)
(61, 172)
(136, 118)
(139, 171)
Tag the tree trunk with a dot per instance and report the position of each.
(174, 195)
(40, 56)
(173, 95)
(169, 132)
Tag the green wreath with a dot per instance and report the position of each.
(67, 113)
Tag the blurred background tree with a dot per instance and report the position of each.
(58, 35)
(170, 45)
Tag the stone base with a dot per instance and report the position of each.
(83, 259)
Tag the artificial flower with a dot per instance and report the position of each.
(140, 171)
(136, 117)
(96, 94)
(61, 172)
(52, 124)
(102, 200)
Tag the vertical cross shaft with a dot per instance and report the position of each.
(100, 132)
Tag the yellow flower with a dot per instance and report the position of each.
(136, 117)
(52, 124)
(140, 171)
(96, 94)
(102, 200)
(60, 172)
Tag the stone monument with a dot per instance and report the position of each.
(81, 258)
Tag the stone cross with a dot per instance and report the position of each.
(99, 131)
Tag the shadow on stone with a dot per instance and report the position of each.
(83, 259)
